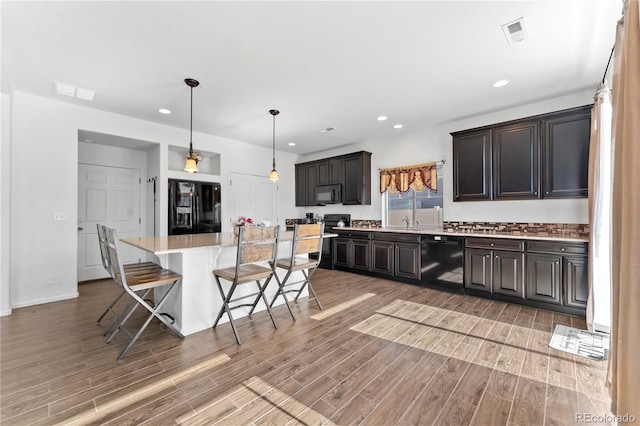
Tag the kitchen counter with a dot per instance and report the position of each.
(518, 235)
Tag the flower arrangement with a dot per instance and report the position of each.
(242, 221)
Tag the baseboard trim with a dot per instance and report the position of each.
(45, 300)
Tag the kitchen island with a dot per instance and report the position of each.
(195, 303)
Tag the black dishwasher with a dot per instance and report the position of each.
(443, 262)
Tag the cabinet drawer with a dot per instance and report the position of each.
(495, 244)
(396, 238)
(353, 234)
(556, 247)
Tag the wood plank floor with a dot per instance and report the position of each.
(406, 355)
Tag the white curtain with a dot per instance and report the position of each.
(600, 186)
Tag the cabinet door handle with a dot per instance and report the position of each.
(562, 249)
(497, 257)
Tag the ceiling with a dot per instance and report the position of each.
(321, 63)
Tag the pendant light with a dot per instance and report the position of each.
(191, 165)
(273, 176)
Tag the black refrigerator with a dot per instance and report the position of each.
(194, 207)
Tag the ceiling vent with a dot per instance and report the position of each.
(515, 31)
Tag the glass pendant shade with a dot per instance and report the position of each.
(273, 176)
(191, 166)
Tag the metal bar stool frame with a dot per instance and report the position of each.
(143, 267)
(138, 286)
(307, 239)
(255, 245)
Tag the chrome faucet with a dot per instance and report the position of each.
(406, 221)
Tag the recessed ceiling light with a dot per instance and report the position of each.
(291, 144)
(382, 118)
(164, 111)
(398, 126)
(500, 83)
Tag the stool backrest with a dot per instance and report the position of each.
(257, 244)
(104, 249)
(113, 246)
(307, 239)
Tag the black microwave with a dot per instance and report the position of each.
(329, 194)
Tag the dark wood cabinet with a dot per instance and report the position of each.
(353, 251)
(382, 257)
(352, 171)
(544, 156)
(544, 278)
(576, 281)
(515, 161)
(508, 273)
(407, 261)
(566, 153)
(312, 174)
(322, 168)
(477, 269)
(494, 271)
(472, 166)
(301, 185)
(557, 273)
(335, 166)
(357, 178)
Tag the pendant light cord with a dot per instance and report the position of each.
(274, 141)
(191, 126)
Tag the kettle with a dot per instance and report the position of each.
(340, 223)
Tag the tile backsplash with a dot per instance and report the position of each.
(519, 227)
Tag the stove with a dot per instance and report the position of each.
(330, 222)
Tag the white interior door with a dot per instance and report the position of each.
(110, 196)
(253, 196)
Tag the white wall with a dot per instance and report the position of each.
(44, 136)
(436, 144)
(5, 203)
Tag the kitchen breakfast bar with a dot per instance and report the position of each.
(195, 303)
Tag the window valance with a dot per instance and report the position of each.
(399, 179)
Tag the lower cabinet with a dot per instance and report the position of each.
(543, 274)
(393, 255)
(350, 252)
(493, 271)
(558, 273)
(382, 257)
(407, 260)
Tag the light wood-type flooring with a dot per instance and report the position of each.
(380, 353)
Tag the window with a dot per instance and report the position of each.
(420, 208)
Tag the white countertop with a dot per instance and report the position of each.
(516, 235)
(181, 243)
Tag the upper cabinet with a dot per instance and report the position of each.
(515, 160)
(352, 171)
(472, 166)
(356, 187)
(544, 156)
(565, 153)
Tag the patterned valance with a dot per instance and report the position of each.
(399, 179)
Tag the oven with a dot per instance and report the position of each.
(330, 222)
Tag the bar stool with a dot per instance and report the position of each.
(307, 239)
(143, 267)
(138, 285)
(256, 244)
